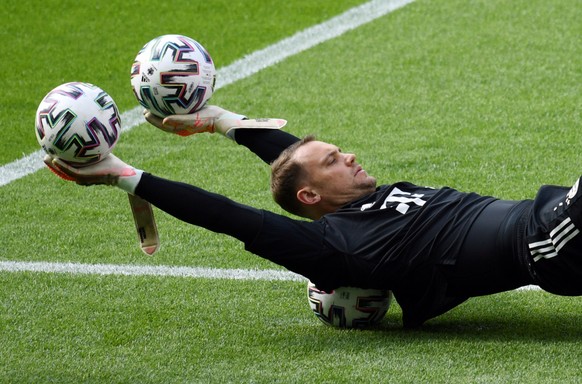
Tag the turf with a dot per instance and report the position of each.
(478, 95)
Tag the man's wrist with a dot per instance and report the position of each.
(129, 183)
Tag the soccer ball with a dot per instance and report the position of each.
(349, 307)
(173, 75)
(78, 123)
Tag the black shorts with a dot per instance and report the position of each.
(554, 239)
(493, 256)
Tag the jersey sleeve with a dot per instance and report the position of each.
(267, 144)
(301, 247)
(297, 245)
(199, 207)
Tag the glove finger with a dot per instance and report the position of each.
(153, 119)
(69, 171)
(190, 124)
(48, 160)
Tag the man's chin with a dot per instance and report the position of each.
(372, 181)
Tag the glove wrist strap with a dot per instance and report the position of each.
(129, 183)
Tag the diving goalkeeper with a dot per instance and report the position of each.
(433, 248)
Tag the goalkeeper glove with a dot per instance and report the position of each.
(211, 119)
(109, 171)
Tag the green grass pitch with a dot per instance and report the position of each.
(480, 95)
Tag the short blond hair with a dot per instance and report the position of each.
(287, 174)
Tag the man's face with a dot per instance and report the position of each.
(334, 175)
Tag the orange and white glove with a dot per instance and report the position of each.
(109, 171)
(211, 119)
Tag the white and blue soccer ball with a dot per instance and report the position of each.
(349, 307)
(78, 123)
(173, 75)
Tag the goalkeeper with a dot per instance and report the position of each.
(433, 248)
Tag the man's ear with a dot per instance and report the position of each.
(308, 196)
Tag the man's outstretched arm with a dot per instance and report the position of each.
(294, 244)
(185, 202)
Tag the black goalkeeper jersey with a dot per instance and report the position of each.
(402, 237)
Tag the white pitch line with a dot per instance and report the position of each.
(149, 270)
(162, 270)
(529, 288)
(242, 68)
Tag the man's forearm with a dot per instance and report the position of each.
(202, 208)
(265, 143)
